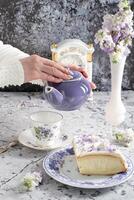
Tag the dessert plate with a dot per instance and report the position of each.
(27, 139)
(61, 165)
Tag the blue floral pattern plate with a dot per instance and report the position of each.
(61, 165)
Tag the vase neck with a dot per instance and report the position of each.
(116, 78)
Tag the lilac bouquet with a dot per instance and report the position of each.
(117, 32)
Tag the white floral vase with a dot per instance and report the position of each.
(115, 109)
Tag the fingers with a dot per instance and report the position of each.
(80, 69)
(48, 70)
(55, 72)
(55, 65)
(83, 71)
(93, 86)
(50, 78)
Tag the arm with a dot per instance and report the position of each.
(17, 67)
(11, 69)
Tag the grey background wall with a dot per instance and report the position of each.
(33, 25)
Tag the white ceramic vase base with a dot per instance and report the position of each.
(115, 109)
(115, 113)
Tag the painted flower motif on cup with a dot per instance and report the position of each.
(42, 132)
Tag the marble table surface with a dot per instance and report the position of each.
(15, 109)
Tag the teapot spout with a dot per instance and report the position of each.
(53, 96)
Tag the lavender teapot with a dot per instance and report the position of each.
(69, 94)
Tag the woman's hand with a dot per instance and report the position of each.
(36, 67)
(84, 73)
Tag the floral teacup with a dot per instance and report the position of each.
(46, 127)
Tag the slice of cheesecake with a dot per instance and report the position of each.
(96, 156)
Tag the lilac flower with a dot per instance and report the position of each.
(107, 46)
(100, 36)
(105, 40)
(125, 137)
(123, 5)
(126, 52)
(115, 56)
(126, 31)
(32, 180)
(108, 22)
(116, 36)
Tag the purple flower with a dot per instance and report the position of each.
(108, 47)
(116, 36)
(108, 22)
(126, 52)
(126, 31)
(117, 30)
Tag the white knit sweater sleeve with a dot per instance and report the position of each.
(11, 69)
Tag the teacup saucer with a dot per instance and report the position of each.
(27, 139)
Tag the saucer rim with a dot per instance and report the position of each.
(44, 148)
